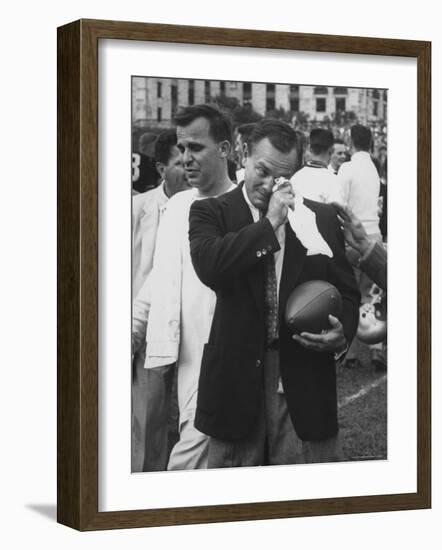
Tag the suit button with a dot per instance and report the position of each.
(258, 253)
(269, 247)
(264, 251)
(258, 362)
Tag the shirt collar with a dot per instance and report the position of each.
(197, 197)
(160, 196)
(162, 191)
(254, 211)
(316, 164)
(360, 154)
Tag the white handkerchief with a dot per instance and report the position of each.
(303, 222)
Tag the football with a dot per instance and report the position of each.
(309, 306)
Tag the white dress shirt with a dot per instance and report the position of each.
(359, 181)
(280, 235)
(240, 174)
(316, 183)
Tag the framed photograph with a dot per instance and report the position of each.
(197, 381)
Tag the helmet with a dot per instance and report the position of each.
(372, 327)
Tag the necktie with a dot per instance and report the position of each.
(271, 300)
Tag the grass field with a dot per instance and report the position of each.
(362, 403)
(362, 412)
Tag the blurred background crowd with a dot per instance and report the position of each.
(308, 109)
(156, 100)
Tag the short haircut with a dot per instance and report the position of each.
(220, 127)
(321, 141)
(164, 144)
(145, 140)
(301, 147)
(338, 141)
(244, 130)
(282, 136)
(361, 137)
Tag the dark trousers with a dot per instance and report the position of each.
(151, 412)
(273, 439)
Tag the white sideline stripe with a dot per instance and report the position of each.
(363, 391)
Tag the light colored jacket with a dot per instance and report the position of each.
(147, 210)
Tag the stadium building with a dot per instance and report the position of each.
(155, 100)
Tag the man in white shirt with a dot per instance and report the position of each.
(314, 181)
(360, 183)
(147, 209)
(174, 304)
(338, 156)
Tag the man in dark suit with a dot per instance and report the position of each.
(265, 397)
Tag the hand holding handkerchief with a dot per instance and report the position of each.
(303, 222)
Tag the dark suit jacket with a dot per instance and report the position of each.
(227, 251)
(375, 265)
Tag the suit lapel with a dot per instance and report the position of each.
(293, 263)
(238, 216)
(237, 212)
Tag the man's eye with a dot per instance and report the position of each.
(261, 172)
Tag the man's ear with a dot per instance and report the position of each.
(245, 151)
(224, 148)
(161, 168)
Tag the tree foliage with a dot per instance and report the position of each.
(239, 114)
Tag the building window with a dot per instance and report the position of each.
(320, 104)
(294, 104)
(385, 95)
(191, 95)
(159, 114)
(321, 90)
(222, 88)
(340, 104)
(375, 108)
(294, 98)
(247, 93)
(270, 97)
(159, 89)
(174, 96)
(340, 91)
(375, 94)
(207, 91)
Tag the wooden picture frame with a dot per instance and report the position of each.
(77, 224)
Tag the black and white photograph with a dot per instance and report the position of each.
(259, 274)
